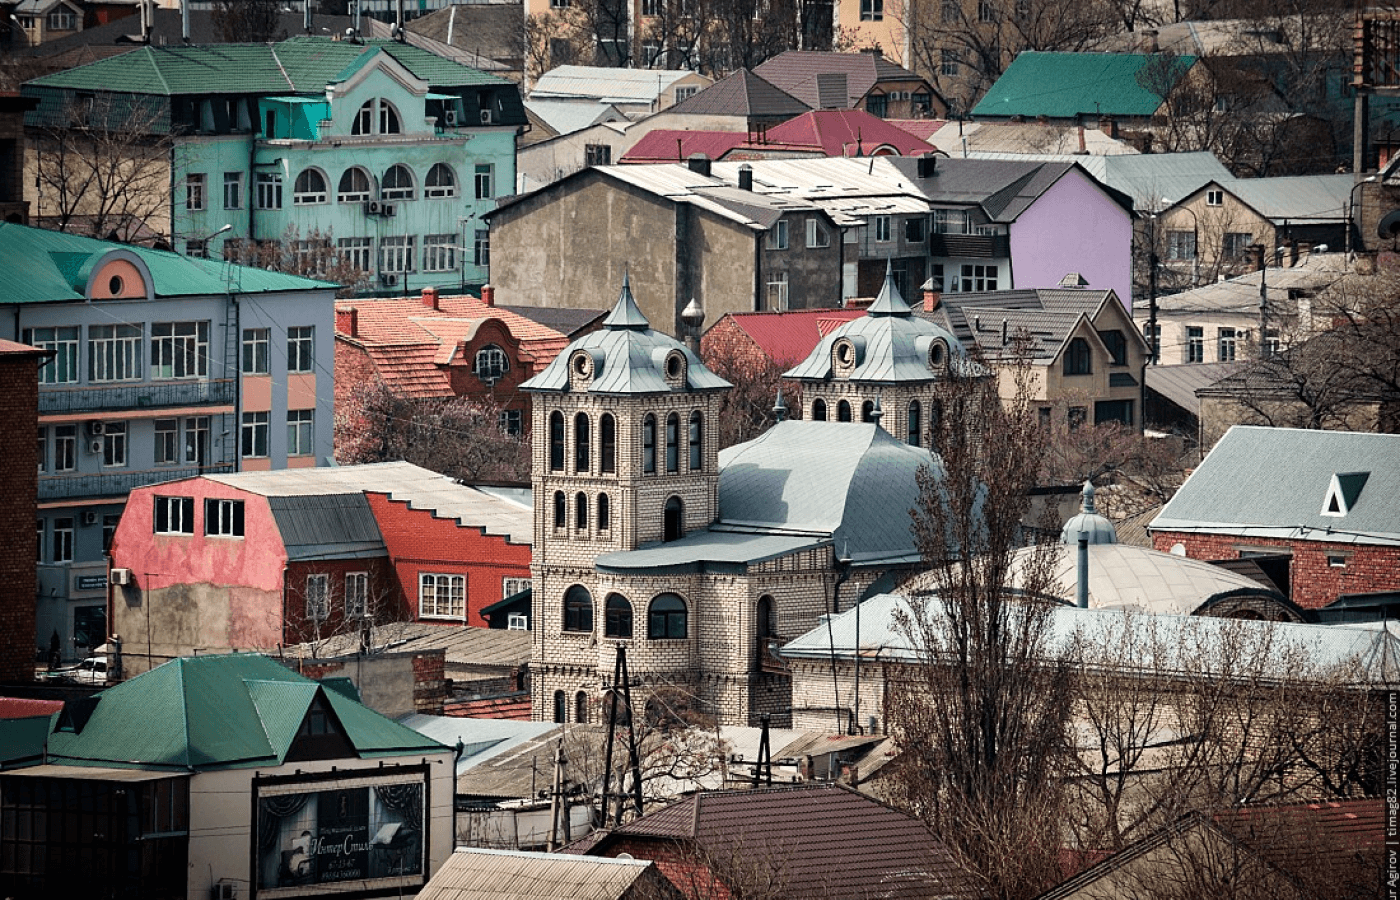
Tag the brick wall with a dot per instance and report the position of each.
(1314, 579)
(19, 486)
(429, 681)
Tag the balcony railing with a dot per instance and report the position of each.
(970, 246)
(141, 395)
(116, 484)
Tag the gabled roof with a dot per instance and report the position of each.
(845, 132)
(1065, 85)
(605, 83)
(1235, 489)
(1179, 383)
(1048, 316)
(797, 72)
(472, 873)
(1299, 199)
(1314, 272)
(214, 712)
(788, 337)
(568, 116)
(742, 93)
(675, 145)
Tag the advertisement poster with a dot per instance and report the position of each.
(345, 833)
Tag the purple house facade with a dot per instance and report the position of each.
(1076, 225)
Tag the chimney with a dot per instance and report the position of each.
(1005, 331)
(1082, 147)
(1257, 257)
(1149, 41)
(488, 294)
(1081, 592)
(746, 178)
(347, 321)
(928, 165)
(430, 298)
(699, 163)
(1109, 126)
(1304, 250)
(931, 299)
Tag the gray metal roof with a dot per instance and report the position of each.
(1314, 272)
(1370, 657)
(331, 526)
(628, 357)
(569, 116)
(1274, 482)
(851, 481)
(1297, 199)
(1179, 383)
(1047, 315)
(484, 738)
(708, 551)
(472, 873)
(462, 645)
(1151, 179)
(606, 83)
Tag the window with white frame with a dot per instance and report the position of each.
(167, 442)
(441, 182)
(197, 441)
(388, 118)
(817, 235)
(778, 235)
(485, 181)
(777, 291)
(356, 251)
(223, 518)
(882, 229)
(1215, 197)
(949, 63)
(439, 252)
(43, 448)
(490, 363)
(300, 430)
(396, 254)
(62, 546)
(194, 191)
(397, 183)
(355, 186)
(197, 249)
(114, 445)
(1236, 244)
(62, 19)
(233, 190)
(114, 352)
(62, 367)
(512, 586)
(356, 595)
(481, 248)
(318, 596)
(517, 622)
(65, 448)
(872, 10)
(510, 421)
(1181, 245)
(253, 434)
(301, 348)
(442, 596)
(1228, 340)
(256, 344)
(173, 515)
(179, 350)
(978, 278)
(269, 190)
(986, 11)
(310, 187)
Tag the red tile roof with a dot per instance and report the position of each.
(923, 129)
(22, 708)
(1298, 837)
(788, 337)
(846, 132)
(668, 145)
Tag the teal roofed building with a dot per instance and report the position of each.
(225, 776)
(1083, 86)
(386, 150)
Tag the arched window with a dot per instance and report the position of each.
(560, 509)
(673, 439)
(764, 615)
(581, 443)
(843, 411)
(355, 186)
(490, 364)
(604, 513)
(364, 119)
(915, 425)
(441, 182)
(581, 511)
(617, 621)
(649, 444)
(867, 411)
(397, 183)
(578, 609)
(561, 708)
(388, 118)
(310, 187)
(673, 528)
(607, 461)
(581, 707)
(556, 441)
(1077, 360)
(666, 618)
(819, 410)
(697, 455)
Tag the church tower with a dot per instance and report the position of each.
(625, 454)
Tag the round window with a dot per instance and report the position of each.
(673, 366)
(936, 355)
(843, 354)
(115, 284)
(581, 364)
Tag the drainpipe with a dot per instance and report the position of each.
(843, 574)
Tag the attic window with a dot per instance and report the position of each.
(1343, 492)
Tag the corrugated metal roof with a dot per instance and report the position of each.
(1296, 199)
(478, 874)
(1235, 489)
(706, 551)
(844, 132)
(1065, 85)
(606, 83)
(462, 645)
(1314, 272)
(490, 737)
(569, 116)
(675, 145)
(330, 526)
(1179, 383)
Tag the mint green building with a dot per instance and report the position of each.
(392, 151)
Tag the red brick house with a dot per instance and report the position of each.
(433, 346)
(19, 484)
(255, 560)
(1318, 510)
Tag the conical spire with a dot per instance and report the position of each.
(625, 313)
(1087, 498)
(890, 302)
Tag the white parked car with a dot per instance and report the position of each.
(92, 670)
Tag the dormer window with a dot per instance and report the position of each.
(490, 364)
(1343, 493)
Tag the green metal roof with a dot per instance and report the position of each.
(214, 712)
(38, 266)
(300, 65)
(1065, 85)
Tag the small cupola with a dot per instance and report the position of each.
(1088, 524)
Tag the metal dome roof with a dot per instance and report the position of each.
(1088, 523)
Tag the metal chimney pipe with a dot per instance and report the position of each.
(1082, 589)
(306, 15)
(185, 20)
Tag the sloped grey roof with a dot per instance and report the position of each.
(472, 873)
(741, 93)
(1047, 315)
(568, 116)
(1297, 198)
(892, 344)
(1273, 482)
(628, 357)
(1179, 383)
(707, 551)
(1150, 179)
(331, 526)
(606, 83)
(851, 481)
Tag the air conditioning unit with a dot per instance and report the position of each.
(373, 207)
(96, 426)
(95, 446)
(390, 279)
(225, 890)
(89, 517)
(387, 209)
(487, 117)
(120, 577)
(449, 117)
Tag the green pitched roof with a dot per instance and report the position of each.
(1064, 85)
(39, 266)
(300, 65)
(214, 712)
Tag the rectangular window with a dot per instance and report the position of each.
(777, 291)
(223, 518)
(986, 12)
(1215, 198)
(442, 596)
(1236, 244)
(949, 11)
(356, 252)
(62, 19)
(1195, 344)
(43, 448)
(481, 248)
(174, 515)
(872, 10)
(1227, 339)
(300, 428)
(1077, 416)
(1181, 245)
(485, 181)
(65, 448)
(512, 586)
(114, 352)
(197, 441)
(882, 229)
(109, 530)
(194, 191)
(167, 442)
(877, 105)
(256, 343)
(356, 595)
(318, 597)
(62, 367)
(39, 550)
(978, 278)
(269, 190)
(254, 434)
(179, 350)
(396, 254)
(62, 546)
(509, 421)
(439, 252)
(914, 231)
(198, 249)
(949, 63)
(300, 348)
(598, 154)
(778, 235)
(114, 445)
(233, 190)
(817, 235)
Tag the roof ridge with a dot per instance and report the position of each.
(159, 74)
(272, 49)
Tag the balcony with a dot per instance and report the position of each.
(136, 395)
(969, 246)
(116, 484)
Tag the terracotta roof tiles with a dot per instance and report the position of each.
(787, 337)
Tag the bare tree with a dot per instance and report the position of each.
(747, 410)
(314, 255)
(249, 21)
